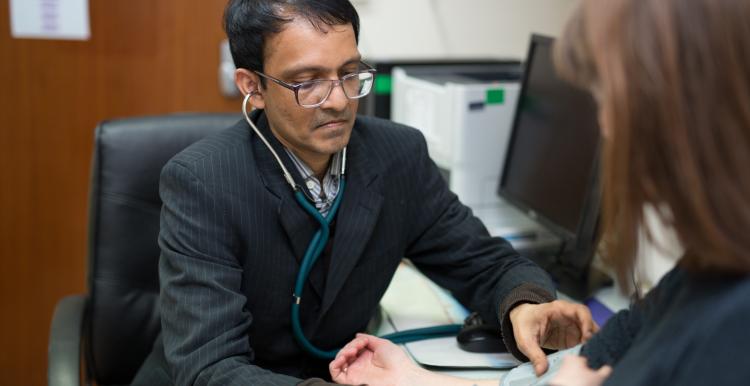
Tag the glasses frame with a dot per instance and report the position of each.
(295, 87)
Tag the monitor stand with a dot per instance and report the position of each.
(534, 241)
(527, 236)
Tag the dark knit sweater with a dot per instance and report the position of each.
(689, 330)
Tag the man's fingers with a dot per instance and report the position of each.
(558, 324)
(531, 349)
(586, 323)
(604, 371)
(580, 315)
(539, 360)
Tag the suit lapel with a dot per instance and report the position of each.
(355, 220)
(297, 224)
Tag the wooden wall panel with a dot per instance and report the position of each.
(144, 57)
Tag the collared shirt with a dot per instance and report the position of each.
(323, 193)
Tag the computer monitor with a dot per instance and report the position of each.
(551, 167)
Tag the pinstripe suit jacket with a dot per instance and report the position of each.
(232, 237)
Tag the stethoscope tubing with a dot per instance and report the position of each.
(317, 244)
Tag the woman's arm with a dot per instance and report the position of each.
(374, 361)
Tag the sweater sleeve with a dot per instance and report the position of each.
(614, 339)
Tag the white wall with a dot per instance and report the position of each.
(456, 28)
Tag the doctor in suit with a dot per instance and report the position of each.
(232, 234)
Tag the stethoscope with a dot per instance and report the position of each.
(315, 248)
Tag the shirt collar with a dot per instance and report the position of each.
(334, 167)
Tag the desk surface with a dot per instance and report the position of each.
(412, 301)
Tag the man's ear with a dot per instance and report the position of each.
(248, 82)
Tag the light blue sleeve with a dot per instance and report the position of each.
(524, 375)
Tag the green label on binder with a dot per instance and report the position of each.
(495, 96)
(383, 84)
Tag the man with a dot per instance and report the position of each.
(233, 235)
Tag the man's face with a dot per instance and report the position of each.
(302, 52)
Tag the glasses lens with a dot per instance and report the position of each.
(358, 85)
(313, 93)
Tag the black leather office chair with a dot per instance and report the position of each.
(109, 331)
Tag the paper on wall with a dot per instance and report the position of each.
(50, 19)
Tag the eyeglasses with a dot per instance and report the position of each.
(313, 93)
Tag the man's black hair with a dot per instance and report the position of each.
(248, 23)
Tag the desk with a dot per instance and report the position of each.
(412, 301)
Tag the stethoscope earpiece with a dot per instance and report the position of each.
(287, 175)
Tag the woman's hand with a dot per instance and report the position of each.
(575, 372)
(373, 361)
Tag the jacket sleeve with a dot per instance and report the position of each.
(204, 321)
(720, 356)
(453, 248)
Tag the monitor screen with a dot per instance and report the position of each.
(550, 165)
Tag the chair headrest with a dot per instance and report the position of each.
(122, 318)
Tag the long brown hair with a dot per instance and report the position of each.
(672, 78)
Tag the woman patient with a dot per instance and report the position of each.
(672, 80)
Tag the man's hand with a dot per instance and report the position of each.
(556, 325)
(373, 361)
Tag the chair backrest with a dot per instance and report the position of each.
(121, 319)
